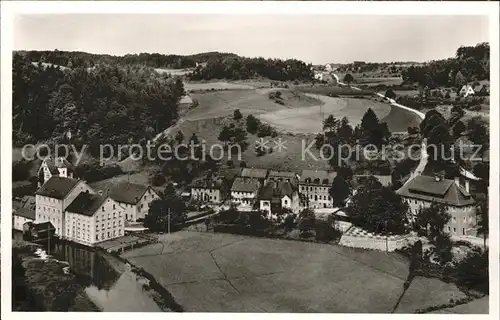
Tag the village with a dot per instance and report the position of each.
(289, 186)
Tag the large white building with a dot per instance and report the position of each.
(422, 191)
(134, 198)
(54, 197)
(92, 218)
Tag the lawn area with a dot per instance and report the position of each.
(215, 272)
(215, 104)
(373, 81)
(228, 273)
(215, 85)
(310, 119)
(174, 72)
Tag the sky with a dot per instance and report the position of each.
(315, 39)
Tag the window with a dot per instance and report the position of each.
(454, 229)
(102, 208)
(114, 206)
(463, 231)
(97, 237)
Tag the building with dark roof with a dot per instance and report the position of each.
(244, 192)
(276, 195)
(93, 218)
(134, 198)
(283, 176)
(315, 185)
(255, 173)
(54, 197)
(208, 189)
(422, 191)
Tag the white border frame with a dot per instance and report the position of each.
(10, 9)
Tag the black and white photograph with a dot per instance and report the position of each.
(250, 161)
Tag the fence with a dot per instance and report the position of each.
(358, 238)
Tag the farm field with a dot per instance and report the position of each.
(310, 119)
(378, 80)
(223, 103)
(174, 72)
(399, 119)
(207, 272)
(216, 85)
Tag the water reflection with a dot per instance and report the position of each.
(107, 288)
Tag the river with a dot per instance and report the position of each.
(107, 281)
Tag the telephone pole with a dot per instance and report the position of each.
(168, 220)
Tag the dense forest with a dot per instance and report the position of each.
(105, 104)
(76, 59)
(237, 68)
(469, 64)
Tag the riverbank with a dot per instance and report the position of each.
(47, 284)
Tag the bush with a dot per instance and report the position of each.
(472, 272)
(243, 164)
(94, 172)
(158, 179)
(237, 115)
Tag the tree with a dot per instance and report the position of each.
(225, 135)
(483, 223)
(157, 218)
(179, 137)
(378, 209)
(431, 220)
(348, 78)
(252, 124)
(306, 221)
(460, 80)
(237, 115)
(477, 131)
(458, 129)
(243, 164)
(330, 124)
(339, 191)
(390, 94)
(372, 130)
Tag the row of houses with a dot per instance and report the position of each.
(79, 213)
(271, 191)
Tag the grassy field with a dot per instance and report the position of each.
(174, 72)
(373, 81)
(333, 90)
(223, 103)
(399, 119)
(310, 120)
(216, 85)
(228, 273)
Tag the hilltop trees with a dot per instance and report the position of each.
(105, 105)
(234, 67)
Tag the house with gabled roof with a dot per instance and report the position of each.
(134, 198)
(277, 195)
(58, 166)
(54, 196)
(254, 173)
(93, 218)
(208, 189)
(23, 210)
(423, 190)
(244, 192)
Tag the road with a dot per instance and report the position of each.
(424, 157)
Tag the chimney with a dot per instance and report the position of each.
(467, 185)
(437, 178)
(457, 181)
(99, 192)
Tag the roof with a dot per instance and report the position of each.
(443, 191)
(26, 213)
(186, 99)
(385, 180)
(282, 174)
(59, 162)
(207, 183)
(254, 173)
(86, 203)
(318, 175)
(245, 185)
(57, 187)
(277, 190)
(229, 173)
(128, 192)
(43, 226)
